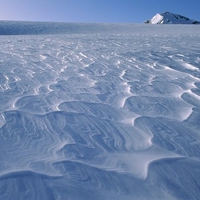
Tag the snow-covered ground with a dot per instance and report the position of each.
(109, 114)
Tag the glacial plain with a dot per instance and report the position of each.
(99, 111)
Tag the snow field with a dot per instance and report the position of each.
(100, 116)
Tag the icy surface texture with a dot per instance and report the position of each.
(114, 115)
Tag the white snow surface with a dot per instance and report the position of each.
(170, 18)
(110, 113)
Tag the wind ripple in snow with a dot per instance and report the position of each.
(100, 117)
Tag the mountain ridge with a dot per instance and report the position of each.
(170, 18)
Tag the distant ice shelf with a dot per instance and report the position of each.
(52, 28)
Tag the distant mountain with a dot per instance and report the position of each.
(170, 18)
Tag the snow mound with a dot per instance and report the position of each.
(170, 18)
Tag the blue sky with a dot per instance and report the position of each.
(126, 11)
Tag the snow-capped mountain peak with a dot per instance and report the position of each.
(170, 18)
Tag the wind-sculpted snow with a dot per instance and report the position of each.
(101, 116)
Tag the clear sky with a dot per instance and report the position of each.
(127, 11)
